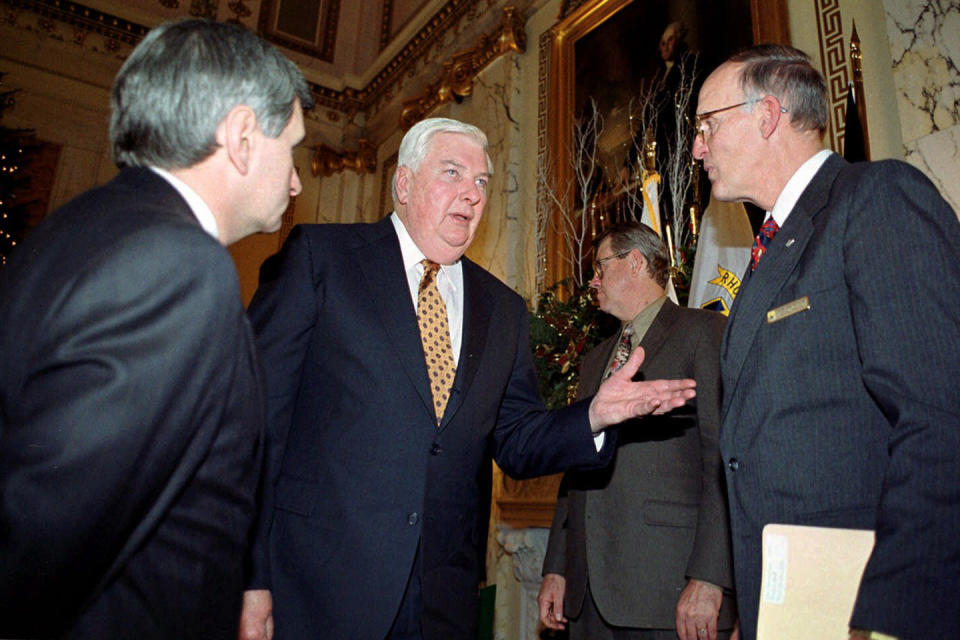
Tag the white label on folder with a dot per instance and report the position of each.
(774, 569)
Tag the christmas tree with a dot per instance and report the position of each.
(14, 148)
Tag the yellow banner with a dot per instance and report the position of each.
(728, 280)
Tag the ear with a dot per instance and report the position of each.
(236, 135)
(769, 111)
(401, 182)
(638, 262)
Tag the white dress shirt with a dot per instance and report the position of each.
(796, 185)
(449, 282)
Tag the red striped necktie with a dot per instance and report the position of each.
(760, 243)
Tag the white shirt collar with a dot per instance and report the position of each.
(408, 248)
(412, 255)
(199, 208)
(796, 185)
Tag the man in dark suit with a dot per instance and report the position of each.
(641, 548)
(373, 523)
(131, 401)
(840, 358)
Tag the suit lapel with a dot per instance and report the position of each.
(760, 289)
(594, 366)
(658, 332)
(387, 283)
(477, 307)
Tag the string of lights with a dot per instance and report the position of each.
(13, 215)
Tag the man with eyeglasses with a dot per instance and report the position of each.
(840, 357)
(641, 549)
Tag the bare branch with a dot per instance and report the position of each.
(679, 158)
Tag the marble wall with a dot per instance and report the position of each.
(491, 107)
(924, 38)
(911, 50)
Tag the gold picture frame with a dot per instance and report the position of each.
(769, 25)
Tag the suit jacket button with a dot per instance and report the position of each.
(435, 450)
(734, 464)
(412, 518)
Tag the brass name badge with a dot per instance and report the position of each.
(787, 310)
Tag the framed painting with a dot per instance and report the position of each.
(604, 52)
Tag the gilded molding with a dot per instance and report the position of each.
(460, 70)
(569, 6)
(579, 17)
(85, 18)
(349, 100)
(322, 50)
(560, 97)
(833, 61)
(327, 161)
(386, 23)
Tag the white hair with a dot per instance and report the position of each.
(416, 142)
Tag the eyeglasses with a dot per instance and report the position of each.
(703, 128)
(700, 124)
(598, 264)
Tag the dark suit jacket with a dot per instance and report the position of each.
(131, 422)
(657, 515)
(847, 414)
(358, 474)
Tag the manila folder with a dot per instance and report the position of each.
(810, 580)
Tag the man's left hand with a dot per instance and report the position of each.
(697, 611)
(619, 398)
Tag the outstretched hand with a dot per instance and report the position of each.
(619, 398)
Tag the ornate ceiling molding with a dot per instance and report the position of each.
(379, 89)
(322, 47)
(455, 74)
(386, 23)
(85, 18)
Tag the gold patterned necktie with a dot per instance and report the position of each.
(435, 336)
(622, 354)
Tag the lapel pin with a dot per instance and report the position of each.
(791, 241)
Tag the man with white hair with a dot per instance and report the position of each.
(396, 369)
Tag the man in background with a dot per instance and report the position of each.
(396, 368)
(131, 404)
(839, 361)
(641, 548)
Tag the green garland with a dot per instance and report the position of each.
(565, 326)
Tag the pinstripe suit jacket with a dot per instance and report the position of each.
(845, 413)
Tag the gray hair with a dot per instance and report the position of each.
(628, 236)
(181, 81)
(416, 142)
(785, 72)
